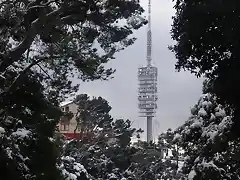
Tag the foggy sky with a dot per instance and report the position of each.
(178, 91)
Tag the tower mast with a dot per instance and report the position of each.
(149, 36)
(147, 77)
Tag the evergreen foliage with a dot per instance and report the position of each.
(43, 44)
(211, 150)
(108, 153)
(207, 35)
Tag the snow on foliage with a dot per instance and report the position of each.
(203, 137)
(12, 43)
(191, 175)
(120, 161)
(176, 137)
(21, 133)
(202, 112)
(112, 176)
(72, 170)
(14, 143)
(204, 120)
(2, 131)
(65, 103)
(38, 59)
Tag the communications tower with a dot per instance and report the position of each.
(147, 77)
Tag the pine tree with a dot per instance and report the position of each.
(211, 150)
(92, 116)
(107, 157)
(207, 35)
(43, 44)
(110, 154)
(168, 142)
(107, 152)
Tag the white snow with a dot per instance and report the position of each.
(206, 104)
(72, 176)
(112, 175)
(180, 165)
(216, 125)
(202, 112)
(96, 128)
(176, 137)
(217, 156)
(67, 158)
(197, 160)
(79, 167)
(51, 139)
(212, 117)
(12, 43)
(9, 152)
(65, 103)
(2, 76)
(196, 124)
(225, 123)
(22, 133)
(75, 172)
(2, 131)
(28, 111)
(192, 174)
(212, 134)
(220, 113)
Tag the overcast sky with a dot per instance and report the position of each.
(178, 91)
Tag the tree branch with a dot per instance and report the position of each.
(44, 71)
(17, 52)
(23, 72)
(40, 6)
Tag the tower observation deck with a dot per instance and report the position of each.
(147, 87)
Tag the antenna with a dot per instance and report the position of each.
(149, 36)
(147, 77)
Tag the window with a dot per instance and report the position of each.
(64, 127)
(66, 108)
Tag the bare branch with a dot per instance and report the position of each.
(44, 71)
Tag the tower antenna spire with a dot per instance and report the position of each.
(149, 36)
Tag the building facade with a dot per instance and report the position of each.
(68, 125)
